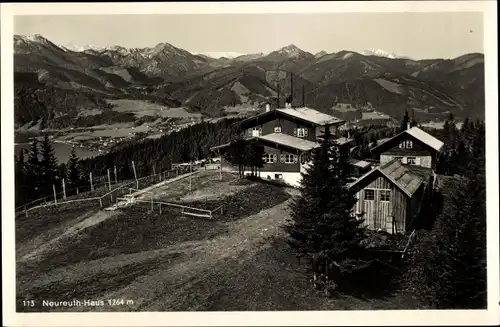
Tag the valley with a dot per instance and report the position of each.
(132, 91)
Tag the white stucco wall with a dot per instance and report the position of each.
(292, 179)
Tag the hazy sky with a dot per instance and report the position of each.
(417, 35)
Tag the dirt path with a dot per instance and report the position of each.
(175, 284)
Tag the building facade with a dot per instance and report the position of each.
(289, 135)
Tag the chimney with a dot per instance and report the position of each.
(407, 125)
(268, 107)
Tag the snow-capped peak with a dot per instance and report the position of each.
(218, 55)
(80, 48)
(380, 53)
(290, 51)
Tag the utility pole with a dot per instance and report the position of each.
(190, 170)
(64, 189)
(135, 175)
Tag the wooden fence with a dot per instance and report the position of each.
(104, 198)
(185, 210)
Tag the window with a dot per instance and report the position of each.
(289, 158)
(269, 158)
(399, 158)
(278, 176)
(411, 160)
(406, 145)
(369, 194)
(385, 195)
(300, 132)
(256, 131)
(277, 129)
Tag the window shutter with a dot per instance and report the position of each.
(260, 131)
(275, 158)
(295, 132)
(404, 160)
(306, 130)
(250, 132)
(295, 158)
(282, 158)
(417, 161)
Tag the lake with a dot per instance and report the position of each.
(62, 151)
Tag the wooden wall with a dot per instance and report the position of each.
(287, 127)
(378, 214)
(280, 166)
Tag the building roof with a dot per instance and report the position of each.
(425, 137)
(397, 174)
(418, 134)
(359, 163)
(311, 115)
(289, 141)
(343, 140)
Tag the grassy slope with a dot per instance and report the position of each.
(238, 261)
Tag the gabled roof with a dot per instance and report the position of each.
(402, 177)
(311, 115)
(280, 139)
(305, 114)
(419, 135)
(289, 141)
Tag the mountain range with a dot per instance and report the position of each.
(385, 82)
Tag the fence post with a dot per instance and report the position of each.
(152, 208)
(190, 182)
(64, 189)
(100, 202)
(55, 197)
(77, 191)
(135, 175)
(91, 184)
(154, 171)
(116, 176)
(109, 180)
(160, 208)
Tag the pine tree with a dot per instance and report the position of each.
(322, 227)
(455, 274)
(73, 174)
(413, 122)
(48, 166)
(33, 172)
(405, 121)
(20, 178)
(253, 153)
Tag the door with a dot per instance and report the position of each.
(384, 209)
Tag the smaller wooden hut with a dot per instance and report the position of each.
(389, 197)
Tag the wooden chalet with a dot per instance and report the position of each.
(389, 196)
(412, 147)
(289, 135)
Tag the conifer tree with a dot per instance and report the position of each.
(455, 274)
(20, 178)
(73, 173)
(405, 121)
(48, 166)
(33, 172)
(413, 122)
(322, 227)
